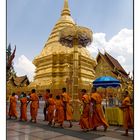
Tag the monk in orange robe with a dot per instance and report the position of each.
(23, 107)
(98, 118)
(85, 119)
(51, 109)
(46, 97)
(12, 108)
(127, 113)
(34, 105)
(59, 114)
(67, 107)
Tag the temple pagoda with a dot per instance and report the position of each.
(54, 65)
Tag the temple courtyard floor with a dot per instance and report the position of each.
(17, 130)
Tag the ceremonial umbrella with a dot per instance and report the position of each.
(105, 82)
(75, 36)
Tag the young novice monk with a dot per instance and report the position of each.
(68, 113)
(23, 108)
(12, 108)
(127, 113)
(34, 105)
(98, 118)
(85, 117)
(51, 109)
(59, 114)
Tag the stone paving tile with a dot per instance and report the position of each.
(130, 133)
(13, 133)
(106, 138)
(116, 136)
(46, 134)
(29, 131)
(26, 131)
(75, 131)
(42, 131)
(24, 137)
(71, 132)
(65, 137)
(17, 125)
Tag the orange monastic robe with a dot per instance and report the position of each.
(68, 107)
(98, 117)
(51, 109)
(85, 119)
(34, 105)
(128, 113)
(23, 108)
(12, 108)
(59, 115)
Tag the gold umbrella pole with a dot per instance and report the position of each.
(75, 36)
(106, 96)
(75, 69)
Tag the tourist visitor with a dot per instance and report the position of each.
(110, 99)
(127, 113)
(59, 113)
(34, 105)
(45, 98)
(98, 118)
(12, 107)
(115, 100)
(67, 107)
(16, 97)
(21, 95)
(40, 97)
(28, 96)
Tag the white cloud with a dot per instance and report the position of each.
(122, 42)
(121, 59)
(25, 67)
(120, 46)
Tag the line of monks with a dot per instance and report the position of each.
(59, 109)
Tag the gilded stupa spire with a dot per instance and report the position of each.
(51, 64)
(65, 10)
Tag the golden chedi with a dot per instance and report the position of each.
(54, 65)
(75, 36)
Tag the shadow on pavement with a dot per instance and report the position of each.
(68, 132)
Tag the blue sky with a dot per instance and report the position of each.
(29, 22)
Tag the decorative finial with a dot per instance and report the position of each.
(65, 10)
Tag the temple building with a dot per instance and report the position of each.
(17, 84)
(54, 65)
(20, 81)
(109, 66)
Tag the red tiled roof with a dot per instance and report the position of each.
(115, 63)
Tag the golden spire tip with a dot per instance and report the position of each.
(65, 10)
